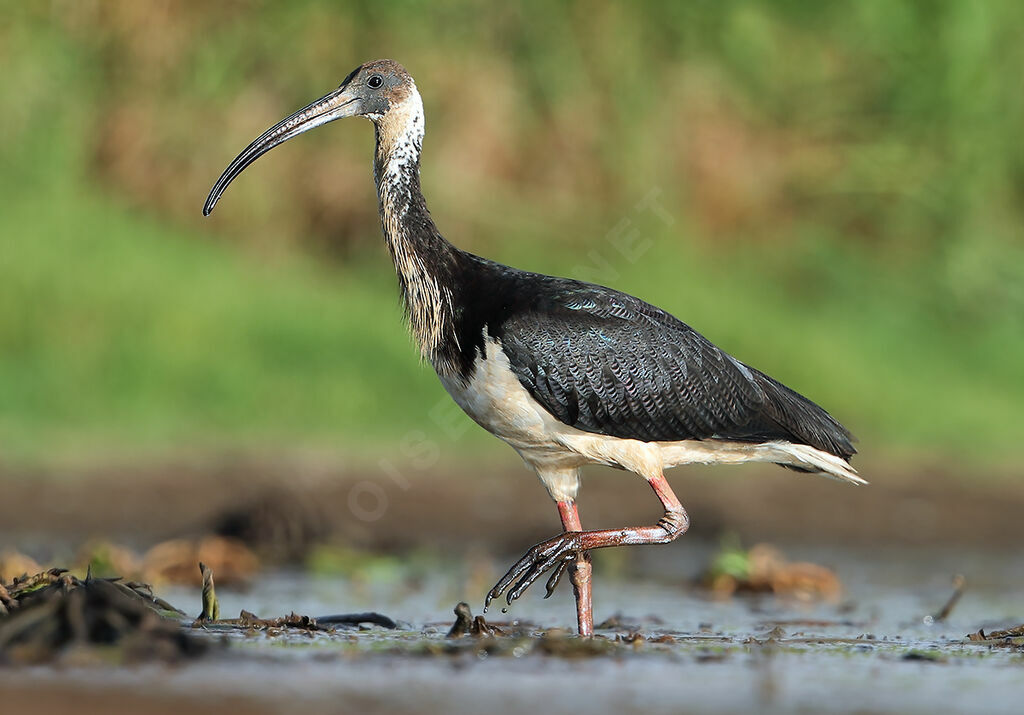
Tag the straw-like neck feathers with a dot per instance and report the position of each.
(424, 260)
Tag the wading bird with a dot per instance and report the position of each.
(568, 373)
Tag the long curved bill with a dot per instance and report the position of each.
(335, 105)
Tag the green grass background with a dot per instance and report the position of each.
(845, 189)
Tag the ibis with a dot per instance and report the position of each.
(567, 373)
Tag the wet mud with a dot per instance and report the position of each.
(663, 643)
(897, 598)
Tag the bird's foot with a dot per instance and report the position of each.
(557, 553)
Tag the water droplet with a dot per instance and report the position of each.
(504, 610)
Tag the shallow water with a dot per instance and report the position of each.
(875, 651)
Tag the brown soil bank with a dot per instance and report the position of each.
(498, 508)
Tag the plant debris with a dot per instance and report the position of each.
(981, 635)
(466, 625)
(174, 561)
(53, 613)
(211, 606)
(250, 621)
(292, 620)
(763, 569)
(170, 561)
(15, 562)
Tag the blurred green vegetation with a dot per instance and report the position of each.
(844, 186)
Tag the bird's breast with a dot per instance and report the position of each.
(498, 402)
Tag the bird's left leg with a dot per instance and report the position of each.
(558, 552)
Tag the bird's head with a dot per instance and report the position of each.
(381, 91)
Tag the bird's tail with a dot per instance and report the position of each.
(805, 458)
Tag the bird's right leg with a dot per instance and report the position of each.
(580, 572)
(558, 552)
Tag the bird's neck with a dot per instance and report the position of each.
(424, 260)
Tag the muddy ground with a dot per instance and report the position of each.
(667, 645)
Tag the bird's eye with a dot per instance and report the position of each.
(375, 82)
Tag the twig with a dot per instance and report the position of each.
(354, 619)
(959, 583)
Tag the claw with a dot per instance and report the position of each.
(531, 575)
(556, 552)
(555, 577)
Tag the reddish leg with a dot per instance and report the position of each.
(557, 553)
(579, 574)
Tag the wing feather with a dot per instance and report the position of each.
(605, 362)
